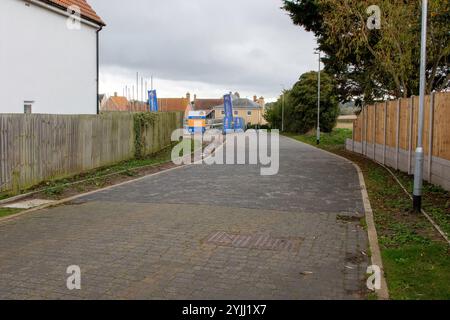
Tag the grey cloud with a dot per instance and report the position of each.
(248, 43)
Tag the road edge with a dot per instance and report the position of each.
(383, 292)
(63, 201)
(66, 200)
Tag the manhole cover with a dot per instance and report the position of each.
(257, 241)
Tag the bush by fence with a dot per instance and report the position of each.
(387, 132)
(35, 148)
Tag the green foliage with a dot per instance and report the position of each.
(300, 105)
(332, 140)
(256, 126)
(56, 190)
(273, 114)
(4, 212)
(370, 64)
(419, 271)
(142, 121)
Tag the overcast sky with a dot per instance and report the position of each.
(207, 47)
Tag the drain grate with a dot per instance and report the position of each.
(257, 241)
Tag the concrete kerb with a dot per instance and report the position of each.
(66, 200)
(63, 201)
(383, 293)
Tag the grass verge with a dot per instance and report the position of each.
(4, 212)
(105, 176)
(415, 257)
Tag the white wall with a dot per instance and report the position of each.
(42, 60)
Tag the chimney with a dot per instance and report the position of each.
(255, 98)
(262, 102)
(188, 96)
(115, 94)
(195, 97)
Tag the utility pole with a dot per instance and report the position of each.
(318, 103)
(142, 89)
(146, 90)
(282, 109)
(418, 170)
(137, 86)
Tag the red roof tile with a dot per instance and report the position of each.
(173, 104)
(86, 10)
(118, 103)
(207, 104)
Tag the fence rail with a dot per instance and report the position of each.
(35, 148)
(387, 132)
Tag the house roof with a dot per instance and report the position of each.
(206, 104)
(86, 10)
(243, 103)
(116, 103)
(173, 104)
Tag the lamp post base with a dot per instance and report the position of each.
(417, 203)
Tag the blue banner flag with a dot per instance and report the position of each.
(153, 100)
(228, 108)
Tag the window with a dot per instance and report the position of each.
(223, 112)
(249, 113)
(236, 113)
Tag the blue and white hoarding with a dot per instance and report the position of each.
(153, 100)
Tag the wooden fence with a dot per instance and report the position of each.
(387, 132)
(35, 148)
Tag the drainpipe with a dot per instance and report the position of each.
(98, 70)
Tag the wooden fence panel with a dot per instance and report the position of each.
(379, 135)
(358, 128)
(397, 133)
(404, 123)
(35, 148)
(391, 124)
(441, 140)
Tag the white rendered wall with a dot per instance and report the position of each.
(44, 61)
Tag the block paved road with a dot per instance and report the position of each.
(200, 232)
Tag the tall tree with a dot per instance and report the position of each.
(300, 105)
(370, 64)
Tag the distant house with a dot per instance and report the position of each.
(251, 111)
(101, 99)
(49, 57)
(119, 103)
(206, 104)
(174, 104)
(115, 103)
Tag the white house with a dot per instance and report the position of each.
(49, 56)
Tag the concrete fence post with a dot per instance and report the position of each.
(366, 122)
(375, 131)
(362, 129)
(385, 132)
(363, 132)
(410, 133)
(397, 144)
(353, 137)
(430, 139)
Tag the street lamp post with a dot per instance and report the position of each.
(418, 170)
(282, 109)
(318, 103)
